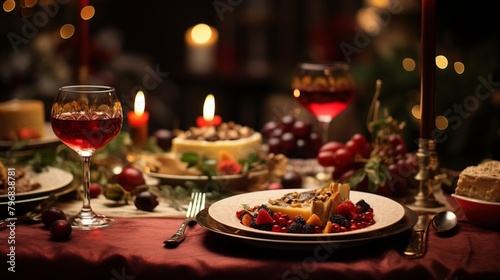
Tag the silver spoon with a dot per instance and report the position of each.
(444, 222)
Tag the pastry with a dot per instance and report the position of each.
(480, 182)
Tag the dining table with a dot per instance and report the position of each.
(133, 248)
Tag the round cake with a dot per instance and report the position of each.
(21, 119)
(481, 181)
(211, 142)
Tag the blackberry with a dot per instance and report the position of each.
(267, 227)
(364, 206)
(308, 229)
(340, 220)
(299, 219)
(295, 228)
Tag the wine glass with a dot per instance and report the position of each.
(325, 89)
(85, 118)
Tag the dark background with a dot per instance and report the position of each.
(129, 39)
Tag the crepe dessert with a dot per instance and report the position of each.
(480, 182)
(17, 175)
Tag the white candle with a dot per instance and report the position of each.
(201, 41)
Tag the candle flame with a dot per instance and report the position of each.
(201, 33)
(209, 108)
(140, 103)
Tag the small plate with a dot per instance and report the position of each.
(315, 242)
(226, 183)
(387, 211)
(479, 212)
(51, 179)
(48, 139)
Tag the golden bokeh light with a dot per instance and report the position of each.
(30, 3)
(441, 122)
(9, 5)
(87, 12)
(67, 31)
(201, 33)
(409, 64)
(441, 61)
(296, 92)
(459, 67)
(415, 111)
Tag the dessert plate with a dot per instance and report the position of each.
(316, 241)
(51, 179)
(387, 211)
(233, 183)
(48, 138)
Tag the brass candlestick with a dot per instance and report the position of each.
(427, 164)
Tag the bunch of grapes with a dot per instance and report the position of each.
(292, 137)
(383, 167)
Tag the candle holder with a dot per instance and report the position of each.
(427, 164)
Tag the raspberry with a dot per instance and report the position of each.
(346, 209)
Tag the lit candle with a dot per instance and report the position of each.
(201, 41)
(209, 117)
(138, 120)
(428, 69)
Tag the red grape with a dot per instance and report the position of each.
(287, 141)
(326, 158)
(343, 157)
(359, 140)
(301, 129)
(332, 146)
(274, 145)
(287, 123)
(394, 140)
(268, 128)
(352, 147)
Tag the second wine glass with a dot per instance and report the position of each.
(325, 89)
(86, 118)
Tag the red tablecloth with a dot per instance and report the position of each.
(133, 249)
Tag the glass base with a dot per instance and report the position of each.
(88, 220)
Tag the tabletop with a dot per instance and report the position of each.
(132, 248)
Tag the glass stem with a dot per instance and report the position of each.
(86, 184)
(325, 127)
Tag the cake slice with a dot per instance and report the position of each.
(322, 202)
(480, 182)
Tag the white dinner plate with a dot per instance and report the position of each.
(48, 138)
(315, 242)
(50, 179)
(386, 211)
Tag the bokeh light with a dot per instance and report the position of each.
(409, 64)
(415, 111)
(441, 122)
(9, 5)
(441, 61)
(201, 33)
(459, 67)
(87, 12)
(67, 31)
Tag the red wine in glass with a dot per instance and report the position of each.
(85, 135)
(324, 103)
(325, 89)
(85, 118)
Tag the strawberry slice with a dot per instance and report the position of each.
(263, 217)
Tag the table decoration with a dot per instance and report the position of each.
(201, 41)
(138, 120)
(209, 117)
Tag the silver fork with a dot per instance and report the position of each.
(196, 204)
